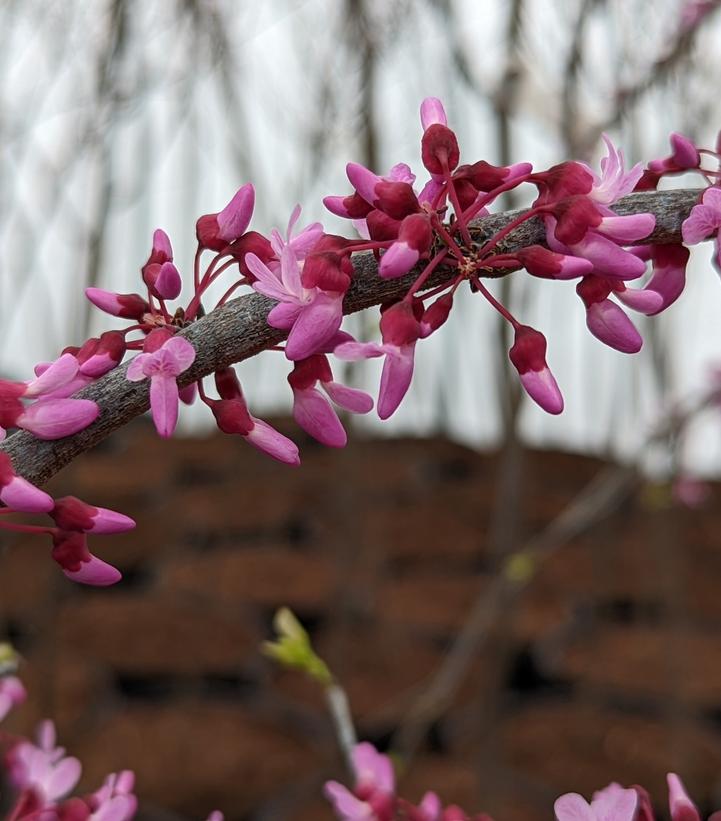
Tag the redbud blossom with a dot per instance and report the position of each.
(610, 804)
(162, 365)
(312, 411)
(126, 306)
(606, 320)
(71, 513)
(414, 242)
(18, 494)
(70, 551)
(12, 693)
(217, 231)
(528, 355)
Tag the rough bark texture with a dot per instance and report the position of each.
(239, 330)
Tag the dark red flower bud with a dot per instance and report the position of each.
(575, 216)
(251, 243)
(439, 149)
(593, 289)
(397, 199)
(381, 227)
(324, 270)
(306, 372)
(399, 324)
(231, 416)
(227, 384)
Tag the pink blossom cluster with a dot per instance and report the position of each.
(373, 798)
(413, 230)
(42, 776)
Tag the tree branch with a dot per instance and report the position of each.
(239, 330)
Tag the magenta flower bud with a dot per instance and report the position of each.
(363, 180)
(399, 324)
(71, 513)
(227, 384)
(436, 314)
(126, 306)
(432, 112)
(70, 551)
(56, 418)
(610, 324)
(232, 416)
(629, 228)
(439, 149)
(575, 217)
(486, 177)
(381, 227)
(55, 376)
(684, 153)
(394, 197)
(18, 494)
(168, 283)
(162, 250)
(251, 243)
(267, 439)
(414, 241)
(105, 354)
(217, 231)
(567, 179)
(528, 355)
(324, 270)
(351, 207)
(541, 262)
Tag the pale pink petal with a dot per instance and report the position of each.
(164, 404)
(644, 300)
(290, 273)
(270, 441)
(283, 315)
(373, 769)
(20, 495)
(701, 223)
(681, 806)
(430, 191)
(57, 374)
(136, 368)
(64, 776)
(266, 281)
(401, 172)
(432, 112)
(55, 418)
(607, 322)
(363, 180)
(628, 228)
(355, 351)
(608, 258)
(235, 217)
(182, 352)
(668, 281)
(345, 805)
(397, 260)
(308, 238)
(573, 807)
(314, 413)
(336, 206)
(110, 521)
(316, 324)
(350, 399)
(96, 572)
(615, 803)
(542, 387)
(395, 379)
(105, 300)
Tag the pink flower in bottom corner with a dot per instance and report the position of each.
(70, 551)
(373, 796)
(114, 801)
(163, 364)
(614, 803)
(42, 770)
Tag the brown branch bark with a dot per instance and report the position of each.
(239, 330)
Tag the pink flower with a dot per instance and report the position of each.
(606, 320)
(414, 242)
(114, 801)
(159, 273)
(680, 805)
(12, 693)
(614, 803)
(70, 551)
(373, 796)
(614, 181)
(312, 411)
(43, 768)
(312, 315)
(400, 330)
(18, 494)
(232, 416)
(127, 306)
(528, 355)
(217, 231)
(704, 222)
(71, 513)
(163, 365)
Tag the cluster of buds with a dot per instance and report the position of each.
(373, 798)
(308, 272)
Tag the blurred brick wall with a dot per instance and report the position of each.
(610, 666)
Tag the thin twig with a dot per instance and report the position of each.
(239, 330)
